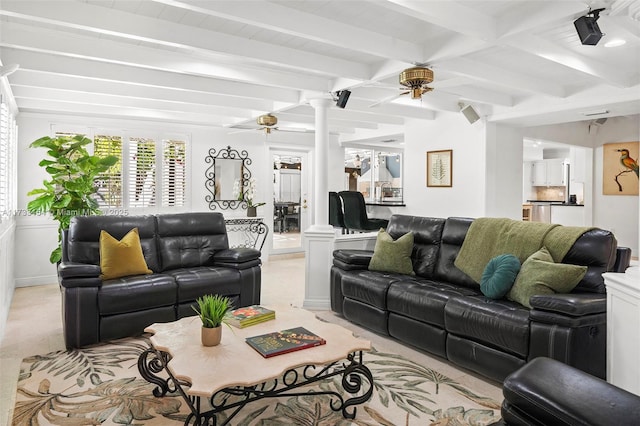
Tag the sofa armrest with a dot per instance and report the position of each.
(352, 259)
(78, 270)
(573, 304)
(545, 391)
(74, 274)
(238, 258)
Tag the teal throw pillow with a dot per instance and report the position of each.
(499, 275)
(539, 275)
(392, 256)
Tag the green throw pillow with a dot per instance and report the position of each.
(499, 275)
(539, 275)
(392, 256)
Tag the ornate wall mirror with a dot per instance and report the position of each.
(227, 178)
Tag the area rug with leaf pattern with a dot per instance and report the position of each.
(102, 385)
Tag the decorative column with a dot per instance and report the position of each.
(319, 238)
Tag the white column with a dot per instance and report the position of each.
(319, 238)
(321, 155)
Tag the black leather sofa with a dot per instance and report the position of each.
(189, 255)
(442, 311)
(548, 392)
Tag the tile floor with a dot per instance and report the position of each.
(34, 327)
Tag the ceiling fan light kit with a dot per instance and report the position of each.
(416, 79)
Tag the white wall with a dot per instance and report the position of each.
(504, 172)
(37, 236)
(617, 213)
(466, 197)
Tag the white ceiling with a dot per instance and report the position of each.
(223, 63)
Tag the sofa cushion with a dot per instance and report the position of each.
(121, 258)
(497, 323)
(595, 249)
(499, 275)
(453, 233)
(539, 275)
(369, 287)
(427, 232)
(190, 239)
(83, 238)
(198, 281)
(391, 255)
(136, 293)
(424, 300)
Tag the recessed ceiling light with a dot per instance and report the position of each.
(615, 42)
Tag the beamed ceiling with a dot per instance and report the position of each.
(223, 63)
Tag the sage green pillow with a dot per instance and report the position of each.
(539, 275)
(392, 256)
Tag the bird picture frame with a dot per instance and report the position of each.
(620, 168)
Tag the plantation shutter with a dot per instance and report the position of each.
(173, 173)
(109, 183)
(5, 148)
(142, 172)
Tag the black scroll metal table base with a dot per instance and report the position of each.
(355, 377)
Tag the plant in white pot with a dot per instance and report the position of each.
(212, 310)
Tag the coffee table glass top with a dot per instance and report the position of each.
(234, 363)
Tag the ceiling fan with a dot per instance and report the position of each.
(416, 80)
(267, 122)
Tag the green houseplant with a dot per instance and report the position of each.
(71, 189)
(212, 310)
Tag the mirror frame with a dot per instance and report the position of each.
(210, 174)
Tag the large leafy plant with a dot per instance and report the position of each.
(71, 190)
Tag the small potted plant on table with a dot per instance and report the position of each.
(211, 310)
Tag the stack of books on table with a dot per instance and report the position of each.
(250, 315)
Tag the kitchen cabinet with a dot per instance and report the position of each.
(567, 215)
(548, 173)
(287, 185)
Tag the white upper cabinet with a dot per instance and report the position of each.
(548, 173)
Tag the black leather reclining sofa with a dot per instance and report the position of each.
(442, 311)
(189, 255)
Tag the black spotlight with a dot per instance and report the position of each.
(343, 97)
(588, 29)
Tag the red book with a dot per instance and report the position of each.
(285, 341)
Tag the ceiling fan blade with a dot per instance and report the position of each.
(241, 131)
(294, 130)
(386, 100)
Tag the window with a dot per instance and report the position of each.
(148, 173)
(8, 143)
(377, 174)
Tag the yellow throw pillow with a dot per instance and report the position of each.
(121, 258)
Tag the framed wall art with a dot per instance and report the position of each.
(620, 168)
(440, 168)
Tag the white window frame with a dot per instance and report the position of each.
(158, 137)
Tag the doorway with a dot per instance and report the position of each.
(290, 195)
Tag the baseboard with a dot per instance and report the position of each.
(34, 281)
(317, 304)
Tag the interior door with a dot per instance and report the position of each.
(291, 202)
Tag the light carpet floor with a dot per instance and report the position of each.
(102, 385)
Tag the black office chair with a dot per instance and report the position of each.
(336, 216)
(355, 213)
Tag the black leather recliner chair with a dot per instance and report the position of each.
(548, 392)
(355, 213)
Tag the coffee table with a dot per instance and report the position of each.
(229, 376)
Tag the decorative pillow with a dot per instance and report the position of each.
(121, 258)
(539, 275)
(392, 256)
(499, 275)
